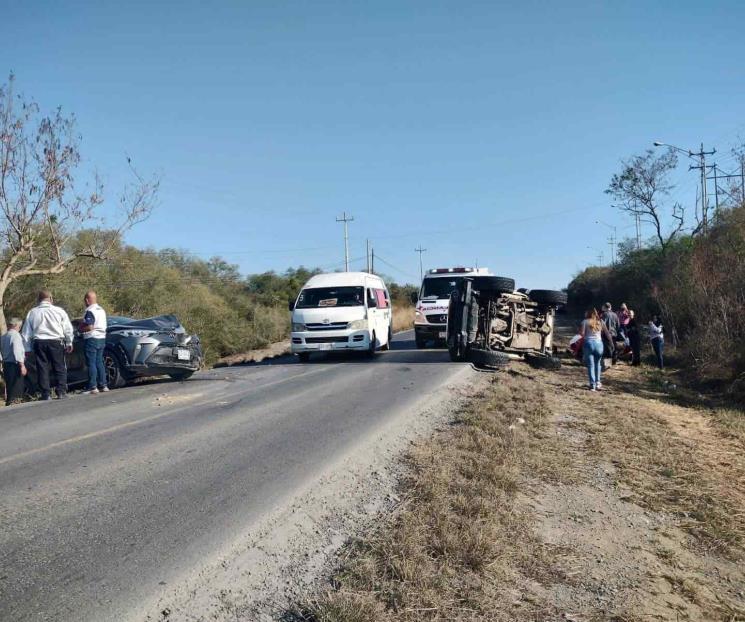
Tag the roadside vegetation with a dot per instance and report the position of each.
(545, 502)
(694, 277)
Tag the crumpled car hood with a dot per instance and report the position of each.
(157, 323)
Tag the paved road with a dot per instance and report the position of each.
(105, 498)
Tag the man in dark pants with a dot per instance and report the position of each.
(48, 332)
(14, 367)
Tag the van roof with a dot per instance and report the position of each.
(343, 279)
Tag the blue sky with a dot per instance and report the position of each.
(484, 131)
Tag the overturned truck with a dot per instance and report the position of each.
(490, 324)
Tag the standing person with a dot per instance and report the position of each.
(48, 332)
(624, 315)
(657, 339)
(94, 338)
(635, 339)
(14, 366)
(610, 319)
(591, 331)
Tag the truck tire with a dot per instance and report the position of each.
(494, 284)
(488, 358)
(548, 297)
(387, 345)
(543, 361)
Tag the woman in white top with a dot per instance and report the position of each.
(591, 331)
(657, 339)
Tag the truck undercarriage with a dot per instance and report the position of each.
(489, 323)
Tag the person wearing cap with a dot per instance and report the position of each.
(14, 365)
(93, 329)
(47, 332)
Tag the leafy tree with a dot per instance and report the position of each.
(640, 189)
(43, 204)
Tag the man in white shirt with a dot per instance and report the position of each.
(47, 332)
(93, 329)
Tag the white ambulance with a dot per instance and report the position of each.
(431, 317)
(341, 311)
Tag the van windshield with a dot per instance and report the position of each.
(331, 297)
(440, 287)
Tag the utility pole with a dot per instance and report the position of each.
(638, 219)
(372, 261)
(701, 155)
(345, 219)
(367, 253)
(716, 177)
(611, 240)
(420, 250)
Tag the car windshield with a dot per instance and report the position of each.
(331, 297)
(440, 287)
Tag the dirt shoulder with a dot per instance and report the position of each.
(545, 501)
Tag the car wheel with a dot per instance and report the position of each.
(304, 357)
(371, 349)
(495, 284)
(488, 358)
(548, 296)
(421, 343)
(543, 361)
(182, 375)
(114, 376)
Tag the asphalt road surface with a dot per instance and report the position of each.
(104, 499)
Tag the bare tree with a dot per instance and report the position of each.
(42, 204)
(640, 189)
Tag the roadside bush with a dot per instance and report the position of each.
(697, 284)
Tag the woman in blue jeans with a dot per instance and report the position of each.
(591, 331)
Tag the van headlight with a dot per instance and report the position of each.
(297, 327)
(357, 324)
(419, 317)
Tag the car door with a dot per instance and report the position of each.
(76, 368)
(372, 312)
(384, 314)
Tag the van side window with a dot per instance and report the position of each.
(372, 300)
(381, 299)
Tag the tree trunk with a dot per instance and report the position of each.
(3, 323)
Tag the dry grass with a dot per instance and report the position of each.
(457, 542)
(686, 461)
(403, 317)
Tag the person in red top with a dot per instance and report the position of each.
(623, 320)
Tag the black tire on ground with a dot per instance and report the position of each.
(497, 284)
(548, 297)
(371, 350)
(181, 375)
(523, 290)
(115, 378)
(488, 358)
(543, 361)
(387, 345)
(421, 343)
(304, 357)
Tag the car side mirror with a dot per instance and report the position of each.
(372, 303)
(291, 305)
(414, 297)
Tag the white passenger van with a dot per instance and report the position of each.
(341, 311)
(431, 315)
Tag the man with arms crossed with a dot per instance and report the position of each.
(14, 355)
(48, 332)
(94, 336)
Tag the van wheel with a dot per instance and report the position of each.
(387, 345)
(421, 343)
(371, 349)
(304, 357)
